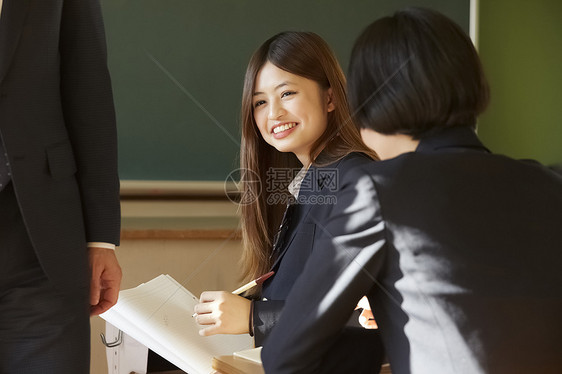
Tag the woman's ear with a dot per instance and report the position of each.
(330, 100)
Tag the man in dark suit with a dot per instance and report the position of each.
(59, 188)
(458, 249)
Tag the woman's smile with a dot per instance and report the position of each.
(284, 129)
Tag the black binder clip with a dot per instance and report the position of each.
(115, 343)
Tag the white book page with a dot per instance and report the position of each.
(253, 355)
(159, 314)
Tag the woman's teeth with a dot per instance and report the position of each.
(284, 127)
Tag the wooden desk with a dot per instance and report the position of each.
(235, 365)
(385, 369)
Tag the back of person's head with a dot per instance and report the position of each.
(413, 72)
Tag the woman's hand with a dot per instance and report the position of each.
(223, 313)
(366, 319)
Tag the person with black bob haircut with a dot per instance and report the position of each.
(462, 263)
(415, 73)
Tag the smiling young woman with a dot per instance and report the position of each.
(302, 57)
(295, 121)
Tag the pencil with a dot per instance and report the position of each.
(253, 283)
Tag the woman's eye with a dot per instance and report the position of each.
(258, 103)
(287, 93)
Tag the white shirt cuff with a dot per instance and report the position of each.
(101, 245)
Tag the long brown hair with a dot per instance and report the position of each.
(305, 54)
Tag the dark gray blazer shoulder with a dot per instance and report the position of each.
(452, 245)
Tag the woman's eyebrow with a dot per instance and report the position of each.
(283, 84)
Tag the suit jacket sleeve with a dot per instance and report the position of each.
(265, 317)
(90, 117)
(340, 270)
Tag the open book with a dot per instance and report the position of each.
(158, 314)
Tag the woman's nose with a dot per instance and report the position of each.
(276, 110)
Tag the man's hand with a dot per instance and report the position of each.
(105, 279)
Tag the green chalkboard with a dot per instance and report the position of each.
(521, 49)
(177, 68)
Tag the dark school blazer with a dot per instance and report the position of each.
(459, 251)
(57, 122)
(319, 196)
